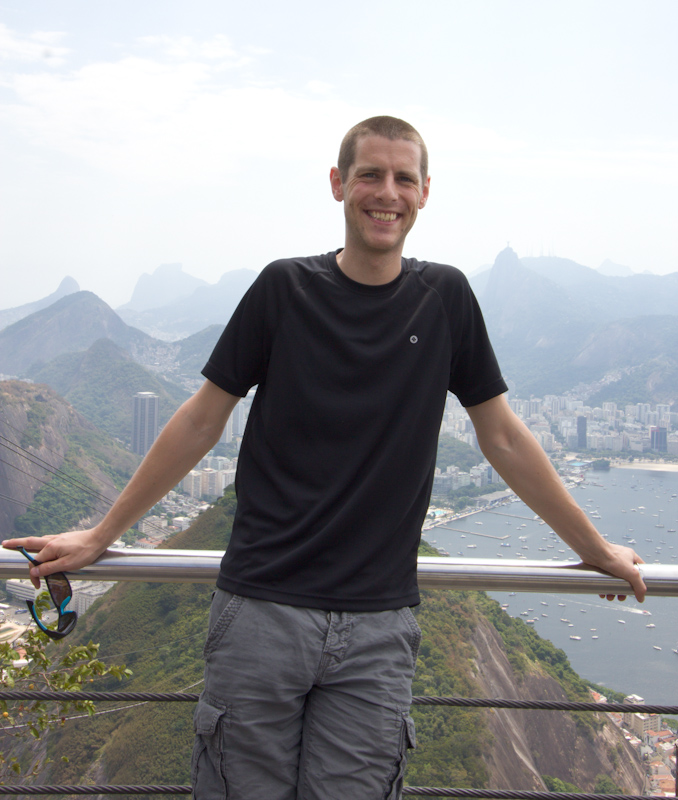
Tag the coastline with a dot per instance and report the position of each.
(649, 466)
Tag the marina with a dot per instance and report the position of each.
(625, 646)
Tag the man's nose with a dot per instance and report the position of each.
(388, 190)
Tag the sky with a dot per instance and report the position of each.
(141, 132)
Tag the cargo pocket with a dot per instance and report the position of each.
(223, 623)
(408, 741)
(208, 773)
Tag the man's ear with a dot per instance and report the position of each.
(337, 185)
(424, 194)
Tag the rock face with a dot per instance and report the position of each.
(528, 744)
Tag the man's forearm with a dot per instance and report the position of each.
(516, 455)
(193, 430)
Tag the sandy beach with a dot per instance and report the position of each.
(651, 466)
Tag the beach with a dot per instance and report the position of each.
(651, 466)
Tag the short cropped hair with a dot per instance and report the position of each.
(390, 128)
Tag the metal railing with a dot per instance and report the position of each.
(519, 575)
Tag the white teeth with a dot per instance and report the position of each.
(383, 215)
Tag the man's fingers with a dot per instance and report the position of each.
(31, 543)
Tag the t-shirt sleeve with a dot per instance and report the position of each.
(474, 372)
(240, 358)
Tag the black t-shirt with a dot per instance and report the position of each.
(338, 456)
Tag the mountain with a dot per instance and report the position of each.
(8, 316)
(166, 285)
(470, 647)
(562, 271)
(101, 382)
(71, 324)
(610, 268)
(56, 468)
(555, 323)
(206, 305)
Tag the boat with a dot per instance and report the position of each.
(576, 638)
(594, 637)
(622, 621)
(655, 647)
(651, 625)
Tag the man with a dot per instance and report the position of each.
(311, 644)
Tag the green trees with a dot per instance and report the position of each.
(37, 664)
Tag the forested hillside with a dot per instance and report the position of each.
(57, 468)
(101, 382)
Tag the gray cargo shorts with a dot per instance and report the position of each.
(303, 704)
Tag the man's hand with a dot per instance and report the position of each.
(65, 552)
(621, 562)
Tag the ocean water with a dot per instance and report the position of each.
(618, 640)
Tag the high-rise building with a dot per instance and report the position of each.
(145, 423)
(238, 417)
(581, 433)
(658, 439)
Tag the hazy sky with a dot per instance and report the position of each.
(140, 132)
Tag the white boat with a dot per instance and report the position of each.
(651, 625)
(654, 646)
(576, 638)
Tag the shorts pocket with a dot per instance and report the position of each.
(223, 623)
(414, 632)
(208, 773)
(408, 741)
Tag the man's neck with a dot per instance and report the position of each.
(372, 269)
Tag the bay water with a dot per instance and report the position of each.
(626, 646)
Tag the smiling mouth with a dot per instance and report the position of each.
(383, 216)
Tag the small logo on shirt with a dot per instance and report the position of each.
(414, 339)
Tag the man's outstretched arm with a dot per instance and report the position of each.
(517, 456)
(193, 430)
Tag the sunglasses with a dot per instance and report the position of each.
(61, 593)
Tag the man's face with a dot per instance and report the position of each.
(382, 193)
